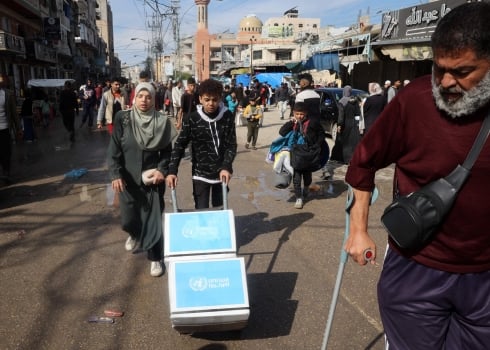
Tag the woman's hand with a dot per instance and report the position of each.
(156, 177)
(118, 185)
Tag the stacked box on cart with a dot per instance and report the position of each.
(210, 294)
(197, 233)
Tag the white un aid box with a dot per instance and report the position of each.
(208, 295)
(196, 233)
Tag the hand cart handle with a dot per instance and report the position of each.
(224, 187)
(173, 194)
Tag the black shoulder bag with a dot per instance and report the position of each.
(412, 220)
(305, 156)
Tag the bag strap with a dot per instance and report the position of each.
(478, 144)
(459, 175)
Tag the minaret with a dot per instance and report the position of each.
(203, 41)
(202, 14)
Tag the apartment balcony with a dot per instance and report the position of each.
(65, 22)
(187, 51)
(11, 43)
(215, 57)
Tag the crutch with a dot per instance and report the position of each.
(368, 254)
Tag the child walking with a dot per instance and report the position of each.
(312, 133)
(253, 113)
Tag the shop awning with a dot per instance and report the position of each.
(238, 71)
(408, 52)
(295, 67)
(48, 83)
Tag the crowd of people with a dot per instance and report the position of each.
(435, 297)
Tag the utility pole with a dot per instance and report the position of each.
(171, 12)
(157, 43)
(176, 33)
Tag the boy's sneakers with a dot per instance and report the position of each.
(298, 204)
(130, 244)
(247, 146)
(156, 268)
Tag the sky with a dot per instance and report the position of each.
(132, 18)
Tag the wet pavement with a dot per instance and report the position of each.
(62, 256)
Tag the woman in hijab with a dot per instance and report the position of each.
(373, 106)
(138, 157)
(348, 123)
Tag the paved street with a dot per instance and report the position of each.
(62, 257)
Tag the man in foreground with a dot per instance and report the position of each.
(435, 297)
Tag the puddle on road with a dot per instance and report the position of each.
(321, 189)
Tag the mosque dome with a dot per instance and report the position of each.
(250, 24)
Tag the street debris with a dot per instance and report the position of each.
(113, 313)
(100, 319)
(76, 173)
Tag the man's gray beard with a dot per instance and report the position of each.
(468, 103)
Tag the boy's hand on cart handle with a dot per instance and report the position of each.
(171, 181)
(225, 176)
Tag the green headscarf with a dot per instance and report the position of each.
(152, 130)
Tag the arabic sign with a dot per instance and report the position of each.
(416, 22)
(52, 30)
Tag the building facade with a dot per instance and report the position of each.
(108, 63)
(257, 47)
(396, 49)
(43, 39)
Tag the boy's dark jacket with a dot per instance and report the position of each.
(213, 143)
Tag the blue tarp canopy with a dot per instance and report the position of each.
(323, 61)
(274, 79)
(244, 79)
